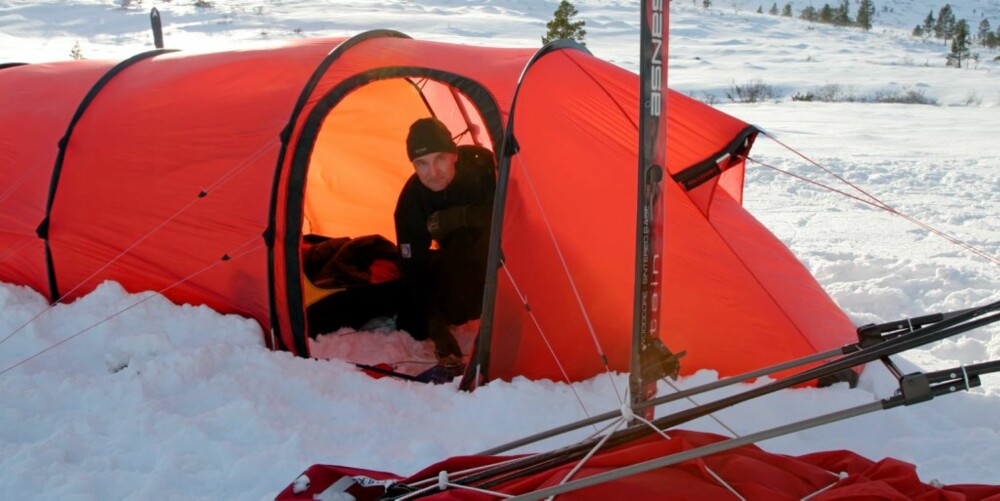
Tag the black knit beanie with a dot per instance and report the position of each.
(428, 135)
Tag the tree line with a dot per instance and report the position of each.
(957, 31)
(945, 26)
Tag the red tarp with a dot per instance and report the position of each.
(752, 472)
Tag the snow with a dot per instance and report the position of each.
(128, 396)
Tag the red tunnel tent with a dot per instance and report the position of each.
(198, 175)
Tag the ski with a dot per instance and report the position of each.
(646, 346)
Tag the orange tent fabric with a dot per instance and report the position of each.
(198, 175)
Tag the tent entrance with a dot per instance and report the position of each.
(356, 171)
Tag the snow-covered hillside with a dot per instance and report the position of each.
(179, 402)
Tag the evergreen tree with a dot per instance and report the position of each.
(929, 23)
(760, 9)
(76, 52)
(959, 44)
(842, 15)
(774, 9)
(984, 31)
(562, 25)
(787, 11)
(826, 14)
(706, 3)
(945, 26)
(866, 12)
(992, 40)
(918, 31)
(809, 14)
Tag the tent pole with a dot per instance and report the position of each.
(722, 383)
(930, 385)
(962, 323)
(702, 451)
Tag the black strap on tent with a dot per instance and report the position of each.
(42, 231)
(696, 175)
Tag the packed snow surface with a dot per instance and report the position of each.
(124, 395)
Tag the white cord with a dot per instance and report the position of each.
(569, 277)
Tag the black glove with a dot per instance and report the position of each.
(445, 221)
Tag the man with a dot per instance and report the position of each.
(442, 230)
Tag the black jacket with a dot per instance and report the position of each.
(448, 280)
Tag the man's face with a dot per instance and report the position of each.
(435, 170)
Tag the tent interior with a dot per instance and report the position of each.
(356, 171)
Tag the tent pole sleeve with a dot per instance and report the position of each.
(478, 371)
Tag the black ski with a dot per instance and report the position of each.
(651, 360)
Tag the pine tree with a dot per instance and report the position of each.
(809, 14)
(760, 9)
(945, 26)
(76, 52)
(866, 12)
(984, 31)
(706, 3)
(774, 9)
(562, 26)
(992, 40)
(929, 23)
(918, 31)
(787, 11)
(826, 14)
(959, 44)
(842, 15)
